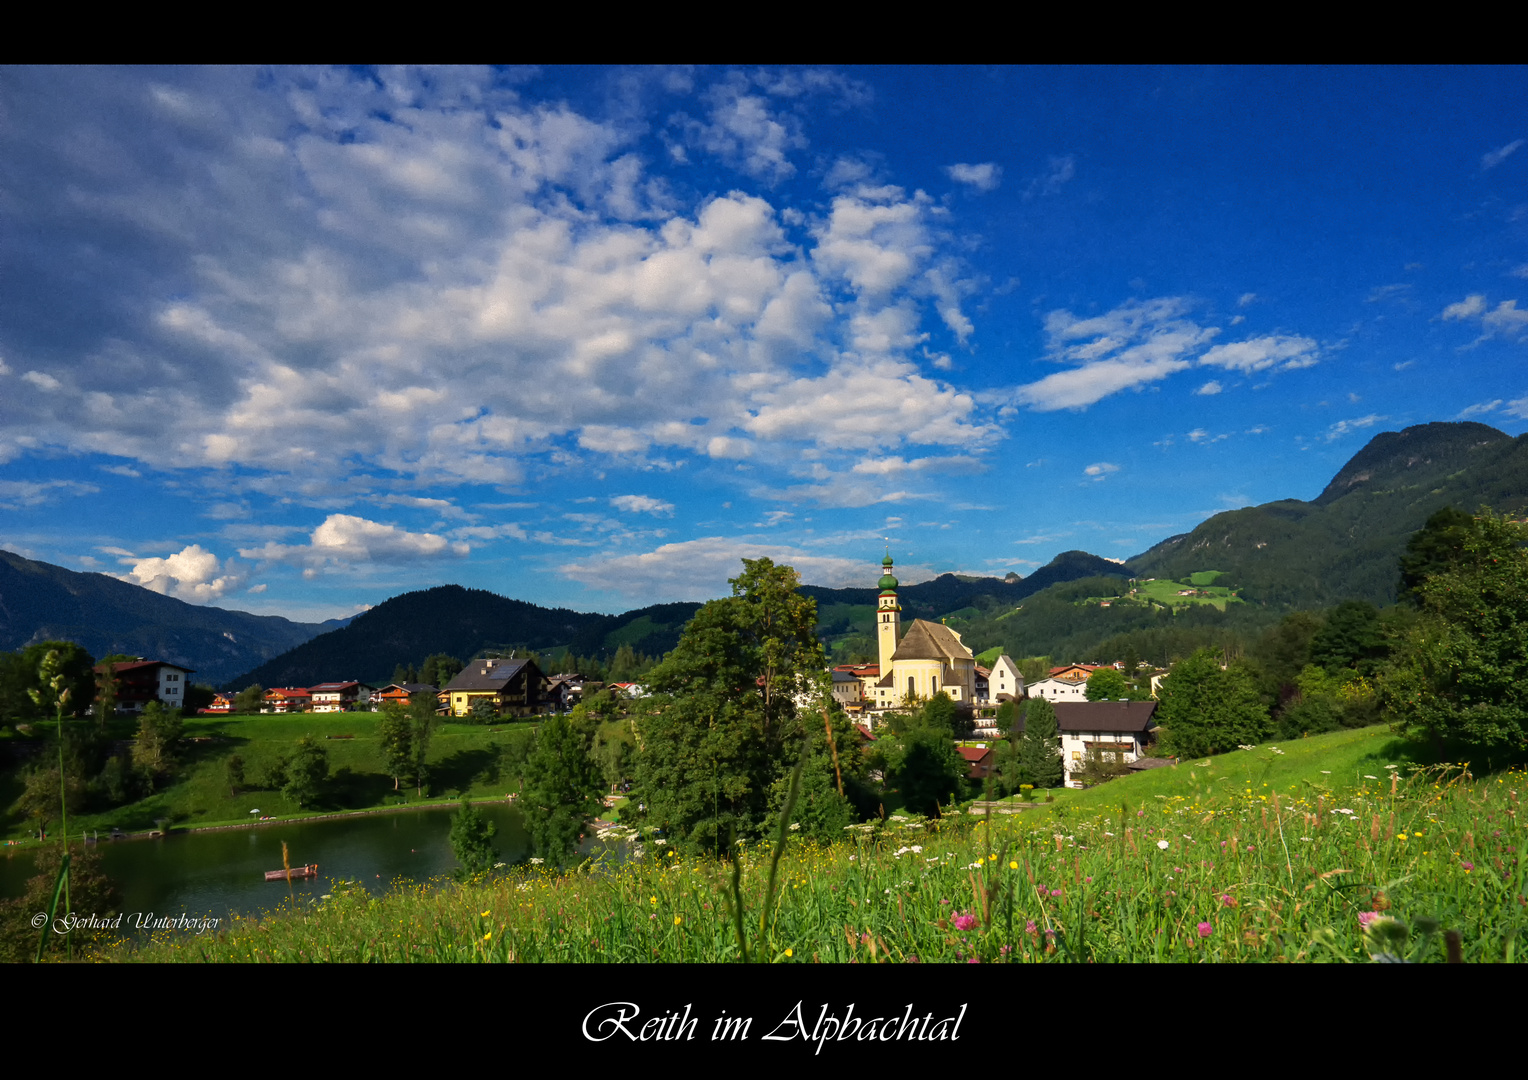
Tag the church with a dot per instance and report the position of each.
(919, 664)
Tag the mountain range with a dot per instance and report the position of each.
(1281, 555)
(43, 602)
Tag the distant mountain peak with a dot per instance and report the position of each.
(1391, 455)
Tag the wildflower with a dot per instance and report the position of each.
(1055, 892)
(488, 935)
(789, 953)
(1205, 929)
(1228, 900)
(1367, 917)
(1368, 777)
(964, 922)
(1013, 865)
(652, 899)
(992, 858)
(677, 920)
(974, 960)
(1467, 866)
(485, 914)
(1162, 844)
(1029, 927)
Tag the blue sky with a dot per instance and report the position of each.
(295, 341)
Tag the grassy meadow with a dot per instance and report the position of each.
(1333, 848)
(464, 759)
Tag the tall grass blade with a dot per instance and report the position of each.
(58, 888)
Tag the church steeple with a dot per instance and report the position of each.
(888, 615)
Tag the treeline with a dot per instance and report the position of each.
(1447, 662)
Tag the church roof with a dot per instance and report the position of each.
(926, 640)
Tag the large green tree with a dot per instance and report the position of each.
(395, 730)
(472, 841)
(722, 724)
(1207, 710)
(1106, 684)
(1038, 752)
(1461, 674)
(305, 771)
(562, 788)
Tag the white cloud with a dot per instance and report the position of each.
(1260, 354)
(1058, 171)
(1211, 387)
(20, 493)
(1478, 409)
(1245, 299)
(42, 380)
(1519, 271)
(193, 574)
(1198, 435)
(643, 504)
(1135, 344)
(1100, 470)
(1504, 320)
(1469, 307)
(1497, 156)
(1343, 427)
(984, 177)
(1517, 408)
(347, 540)
(699, 569)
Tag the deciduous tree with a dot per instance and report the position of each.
(1462, 672)
(562, 789)
(722, 726)
(1209, 711)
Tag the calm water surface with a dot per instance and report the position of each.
(220, 873)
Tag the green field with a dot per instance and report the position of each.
(1321, 852)
(464, 759)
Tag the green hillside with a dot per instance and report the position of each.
(1346, 543)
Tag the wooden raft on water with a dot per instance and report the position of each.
(293, 874)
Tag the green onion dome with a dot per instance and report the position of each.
(888, 582)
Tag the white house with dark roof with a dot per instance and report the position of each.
(1121, 728)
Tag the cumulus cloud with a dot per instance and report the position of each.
(346, 540)
(1470, 306)
(984, 177)
(435, 277)
(1211, 387)
(1504, 320)
(699, 569)
(1517, 408)
(193, 574)
(643, 504)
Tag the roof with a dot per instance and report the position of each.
(122, 666)
(1104, 715)
(332, 687)
(844, 676)
(487, 675)
(926, 640)
(409, 688)
(973, 754)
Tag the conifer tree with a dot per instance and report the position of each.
(1039, 751)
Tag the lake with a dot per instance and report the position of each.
(219, 873)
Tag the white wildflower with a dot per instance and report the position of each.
(1162, 844)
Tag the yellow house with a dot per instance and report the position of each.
(915, 666)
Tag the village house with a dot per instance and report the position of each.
(1058, 690)
(341, 696)
(141, 681)
(401, 693)
(979, 761)
(515, 687)
(287, 699)
(1118, 728)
